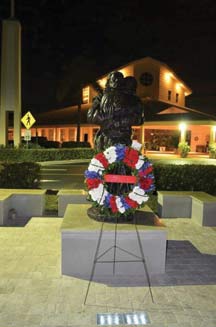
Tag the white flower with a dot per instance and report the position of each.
(96, 165)
(138, 195)
(140, 162)
(110, 154)
(136, 145)
(98, 194)
(119, 205)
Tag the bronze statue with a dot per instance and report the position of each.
(116, 110)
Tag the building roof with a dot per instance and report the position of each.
(155, 111)
(158, 63)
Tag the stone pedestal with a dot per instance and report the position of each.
(79, 235)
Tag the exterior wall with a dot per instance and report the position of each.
(163, 81)
(126, 71)
(167, 82)
(147, 66)
(199, 136)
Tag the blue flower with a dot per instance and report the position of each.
(91, 174)
(126, 206)
(120, 151)
(145, 165)
(107, 200)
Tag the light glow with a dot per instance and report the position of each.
(128, 319)
(182, 127)
(116, 320)
(102, 82)
(143, 319)
(102, 320)
(168, 77)
(136, 320)
(109, 320)
(85, 94)
(178, 86)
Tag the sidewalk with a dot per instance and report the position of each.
(165, 157)
(34, 293)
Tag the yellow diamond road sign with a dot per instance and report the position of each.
(28, 120)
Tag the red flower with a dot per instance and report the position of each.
(101, 157)
(131, 203)
(146, 171)
(131, 157)
(145, 183)
(93, 182)
(113, 204)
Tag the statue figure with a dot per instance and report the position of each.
(116, 110)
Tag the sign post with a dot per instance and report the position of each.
(28, 121)
(27, 136)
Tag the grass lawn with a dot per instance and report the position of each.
(51, 205)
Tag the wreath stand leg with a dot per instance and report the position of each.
(114, 261)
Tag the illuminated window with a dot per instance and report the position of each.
(177, 97)
(51, 135)
(62, 135)
(71, 134)
(169, 95)
(43, 132)
(85, 94)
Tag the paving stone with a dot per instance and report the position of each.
(34, 293)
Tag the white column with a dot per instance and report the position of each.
(182, 128)
(143, 138)
(212, 134)
(11, 79)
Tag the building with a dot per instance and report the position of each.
(168, 120)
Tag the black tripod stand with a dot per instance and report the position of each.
(137, 258)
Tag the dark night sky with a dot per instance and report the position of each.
(60, 36)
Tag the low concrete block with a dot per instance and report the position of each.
(66, 197)
(204, 210)
(199, 206)
(24, 203)
(4, 209)
(28, 205)
(174, 204)
(79, 235)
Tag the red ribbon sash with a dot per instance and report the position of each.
(124, 179)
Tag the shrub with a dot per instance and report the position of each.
(52, 144)
(212, 150)
(73, 144)
(185, 178)
(36, 155)
(184, 148)
(20, 175)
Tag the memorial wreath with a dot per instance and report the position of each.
(139, 177)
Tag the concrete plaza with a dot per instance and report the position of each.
(34, 293)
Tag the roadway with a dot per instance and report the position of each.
(69, 174)
(66, 175)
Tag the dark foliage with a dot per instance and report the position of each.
(20, 175)
(185, 178)
(38, 155)
(74, 144)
